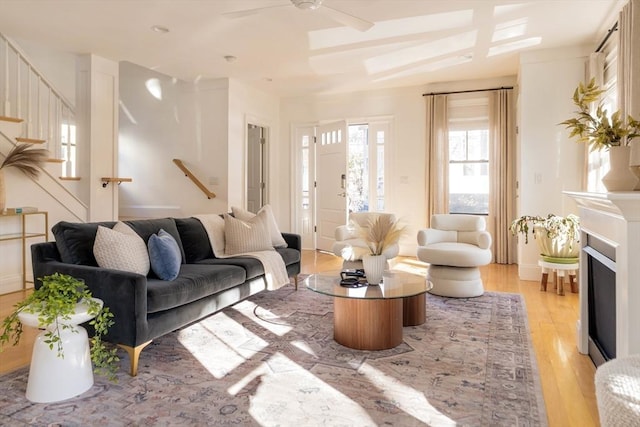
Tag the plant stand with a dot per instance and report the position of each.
(558, 271)
(53, 378)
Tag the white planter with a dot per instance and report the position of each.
(374, 266)
(560, 249)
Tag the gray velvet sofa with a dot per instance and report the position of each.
(146, 307)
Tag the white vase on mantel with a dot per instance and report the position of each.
(620, 176)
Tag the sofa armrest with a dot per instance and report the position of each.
(344, 232)
(482, 239)
(124, 293)
(294, 241)
(429, 236)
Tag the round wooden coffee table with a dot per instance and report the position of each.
(371, 317)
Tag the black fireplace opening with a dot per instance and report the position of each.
(601, 287)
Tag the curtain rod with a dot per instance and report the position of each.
(611, 31)
(467, 91)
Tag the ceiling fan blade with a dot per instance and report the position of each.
(249, 12)
(346, 19)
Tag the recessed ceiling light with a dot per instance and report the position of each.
(160, 29)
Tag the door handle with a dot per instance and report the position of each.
(343, 181)
(343, 194)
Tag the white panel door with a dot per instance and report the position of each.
(331, 181)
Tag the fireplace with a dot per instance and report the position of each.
(609, 274)
(601, 298)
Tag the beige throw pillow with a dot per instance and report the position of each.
(120, 248)
(276, 237)
(246, 236)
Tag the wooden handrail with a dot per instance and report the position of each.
(196, 181)
(107, 179)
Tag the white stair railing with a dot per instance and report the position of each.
(48, 116)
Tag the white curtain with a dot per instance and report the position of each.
(502, 161)
(437, 160)
(629, 69)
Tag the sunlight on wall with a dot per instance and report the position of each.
(155, 88)
(509, 47)
(509, 30)
(422, 52)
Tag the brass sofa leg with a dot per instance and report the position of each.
(295, 281)
(134, 355)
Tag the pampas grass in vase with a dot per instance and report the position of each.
(24, 158)
(381, 233)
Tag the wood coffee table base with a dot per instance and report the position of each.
(373, 324)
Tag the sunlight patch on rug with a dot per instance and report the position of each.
(412, 401)
(301, 399)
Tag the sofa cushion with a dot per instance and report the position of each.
(164, 255)
(194, 282)
(276, 237)
(121, 248)
(75, 241)
(246, 236)
(146, 227)
(253, 266)
(194, 239)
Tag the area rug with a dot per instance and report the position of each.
(272, 361)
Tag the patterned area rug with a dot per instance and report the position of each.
(272, 361)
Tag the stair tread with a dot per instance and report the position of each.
(53, 160)
(69, 178)
(10, 119)
(30, 140)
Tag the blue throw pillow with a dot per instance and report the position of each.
(164, 255)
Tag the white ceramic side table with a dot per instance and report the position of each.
(53, 378)
(559, 271)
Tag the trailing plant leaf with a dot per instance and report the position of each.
(554, 226)
(26, 159)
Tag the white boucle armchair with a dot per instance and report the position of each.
(351, 247)
(454, 246)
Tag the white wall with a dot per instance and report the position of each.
(549, 163)
(188, 122)
(406, 106)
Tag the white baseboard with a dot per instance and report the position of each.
(11, 283)
(529, 272)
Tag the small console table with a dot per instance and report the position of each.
(24, 234)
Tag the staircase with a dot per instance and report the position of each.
(32, 111)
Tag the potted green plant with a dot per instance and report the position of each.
(604, 131)
(558, 237)
(53, 303)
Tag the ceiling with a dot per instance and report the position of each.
(292, 52)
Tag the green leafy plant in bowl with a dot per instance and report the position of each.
(54, 302)
(558, 237)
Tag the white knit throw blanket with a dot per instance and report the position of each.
(275, 271)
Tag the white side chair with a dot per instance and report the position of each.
(351, 247)
(455, 246)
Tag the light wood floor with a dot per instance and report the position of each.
(566, 375)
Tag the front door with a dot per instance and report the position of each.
(331, 182)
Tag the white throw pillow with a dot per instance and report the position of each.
(246, 236)
(120, 248)
(214, 224)
(276, 237)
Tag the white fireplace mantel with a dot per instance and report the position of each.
(614, 218)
